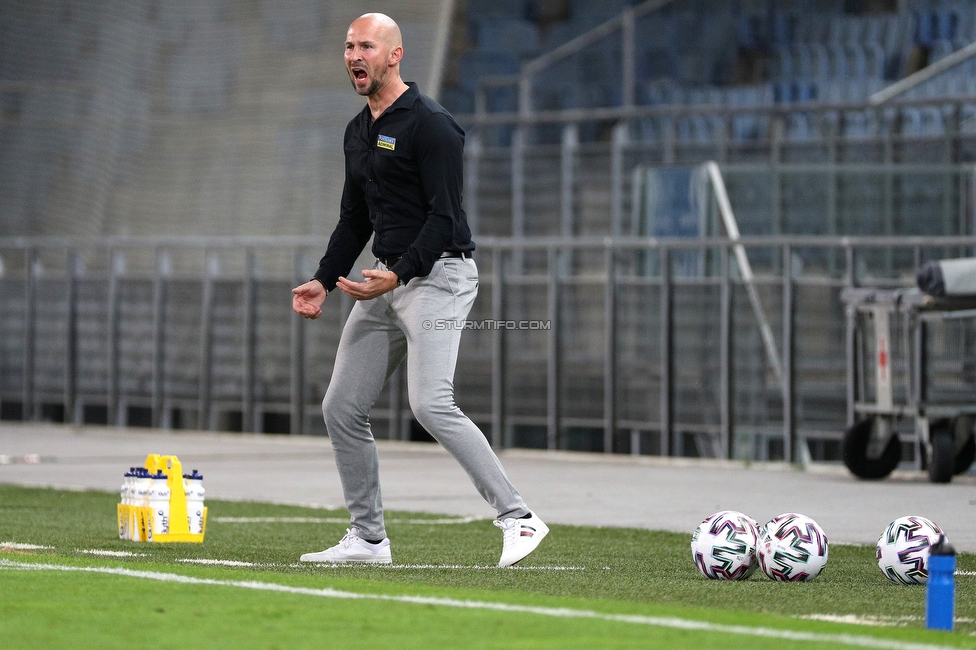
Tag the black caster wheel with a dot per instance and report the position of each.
(942, 460)
(855, 450)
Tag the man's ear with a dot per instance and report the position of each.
(396, 54)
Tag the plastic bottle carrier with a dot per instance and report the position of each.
(135, 518)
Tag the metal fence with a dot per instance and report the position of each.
(597, 344)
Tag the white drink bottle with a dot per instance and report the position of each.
(126, 496)
(140, 498)
(193, 484)
(159, 503)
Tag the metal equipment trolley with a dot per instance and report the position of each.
(877, 404)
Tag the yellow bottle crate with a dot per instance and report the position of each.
(140, 517)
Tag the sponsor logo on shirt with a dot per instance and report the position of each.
(386, 142)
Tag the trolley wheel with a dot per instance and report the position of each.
(855, 450)
(966, 456)
(942, 462)
(962, 428)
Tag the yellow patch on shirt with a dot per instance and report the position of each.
(386, 142)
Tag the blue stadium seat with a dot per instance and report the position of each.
(839, 67)
(922, 121)
(946, 21)
(805, 91)
(940, 49)
(748, 126)
(656, 63)
(967, 120)
(783, 28)
(563, 32)
(494, 9)
(812, 28)
(751, 32)
(652, 129)
(924, 27)
(966, 27)
(655, 92)
(799, 127)
(844, 30)
(516, 36)
(458, 101)
(859, 125)
(476, 64)
(694, 128)
(596, 12)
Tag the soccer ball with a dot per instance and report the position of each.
(792, 548)
(903, 550)
(724, 546)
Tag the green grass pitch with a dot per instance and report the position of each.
(67, 581)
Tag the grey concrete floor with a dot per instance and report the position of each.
(562, 487)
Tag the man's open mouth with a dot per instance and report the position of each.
(359, 74)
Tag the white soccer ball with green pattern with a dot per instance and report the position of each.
(792, 548)
(724, 546)
(903, 549)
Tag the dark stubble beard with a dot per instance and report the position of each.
(373, 86)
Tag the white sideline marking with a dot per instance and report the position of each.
(337, 520)
(376, 567)
(14, 546)
(856, 619)
(100, 551)
(557, 612)
(196, 560)
(453, 567)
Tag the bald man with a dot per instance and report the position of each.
(404, 169)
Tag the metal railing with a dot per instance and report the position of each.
(628, 353)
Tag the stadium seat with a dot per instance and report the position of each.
(799, 127)
(859, 125)
(476, 64)
(967, 119)
(940, 49)
(946, 20)
(515, 36)
(495, 9)
(563, 32)
(922, 121)
(812, 28)
(924, 27)
(783, 28)
(596, 12)
(750, 32)
(458, 101)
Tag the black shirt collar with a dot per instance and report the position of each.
(404, 101)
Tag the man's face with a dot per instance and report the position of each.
(367, 56)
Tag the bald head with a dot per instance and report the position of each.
(382, 27)
(374, 48)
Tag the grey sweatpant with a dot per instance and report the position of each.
(408, 322)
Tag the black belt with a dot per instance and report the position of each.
(390, 260)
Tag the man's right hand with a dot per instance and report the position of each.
(308, 299)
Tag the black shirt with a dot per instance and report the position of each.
(404, 174)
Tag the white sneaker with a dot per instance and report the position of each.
(520, 537)
(352, 548)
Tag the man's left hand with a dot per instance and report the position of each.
(376, 284)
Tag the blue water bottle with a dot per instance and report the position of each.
(940, 595)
